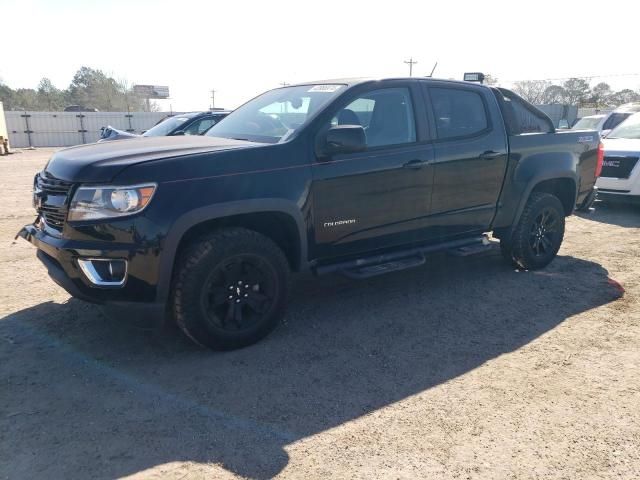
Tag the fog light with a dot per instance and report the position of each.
(104, 272)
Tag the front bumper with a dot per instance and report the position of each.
(60, 257)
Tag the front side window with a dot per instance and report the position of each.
(199, 126)
(275, 116)
(386, 116)
(458, 113)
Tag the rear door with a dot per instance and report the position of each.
(470, 158)
(379, 197)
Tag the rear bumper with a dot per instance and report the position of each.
(616, 196)
(59, 256)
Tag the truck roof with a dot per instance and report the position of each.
(358, 80)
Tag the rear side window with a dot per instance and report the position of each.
(458, 113)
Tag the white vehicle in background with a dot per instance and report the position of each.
(620, 176)
(590, 122)
(618, 116)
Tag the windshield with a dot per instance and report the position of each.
(166, 126)
(276, 115)
(587, 123)
(614, 120)
(629, 129)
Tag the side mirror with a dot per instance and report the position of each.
(345, 139)
(179, 132)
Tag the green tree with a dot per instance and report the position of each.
(95, 89)
(554, 94)
(624, 96)
(577, 91)
(6, 96)
(49, 97)
(531, 90)
(600, 94)
(25, 99)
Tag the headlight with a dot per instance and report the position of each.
(94, 203)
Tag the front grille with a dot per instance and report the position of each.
(51, 198)
(618, 167)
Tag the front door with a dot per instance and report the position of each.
(380, 197)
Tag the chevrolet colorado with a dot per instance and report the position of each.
(359, 177)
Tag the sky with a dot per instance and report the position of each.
(241, 48)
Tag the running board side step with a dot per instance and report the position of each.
(399, 260)
(382, 268)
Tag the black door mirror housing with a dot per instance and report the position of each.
(345, 139)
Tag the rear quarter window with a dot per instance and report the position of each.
(520, 116)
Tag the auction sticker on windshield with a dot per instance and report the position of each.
(324, 88)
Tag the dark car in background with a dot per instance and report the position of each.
(193, 123)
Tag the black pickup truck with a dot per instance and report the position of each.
(359, 177)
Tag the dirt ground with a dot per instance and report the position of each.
(461, 369)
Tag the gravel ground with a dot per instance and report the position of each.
(464, 368)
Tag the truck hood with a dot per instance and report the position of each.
(101, 162)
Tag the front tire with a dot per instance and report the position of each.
(230, 289)
(537, 237)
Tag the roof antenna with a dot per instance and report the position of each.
(433, 69)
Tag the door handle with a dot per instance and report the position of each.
(415, 164)
(490, 155)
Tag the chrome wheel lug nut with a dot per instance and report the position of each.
(246, 295)
(238, 300)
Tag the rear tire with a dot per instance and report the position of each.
(230, 289)
(537, 237)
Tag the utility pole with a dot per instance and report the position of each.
(283, 107)
(213, 99)
(411, 62)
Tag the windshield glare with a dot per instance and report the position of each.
(587, 123)
(630, 128)
(276, 115)
(164, 127)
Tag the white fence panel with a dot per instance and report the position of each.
(54, 129)
(62, 129)
(16, 129)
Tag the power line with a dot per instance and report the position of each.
(582, 77)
